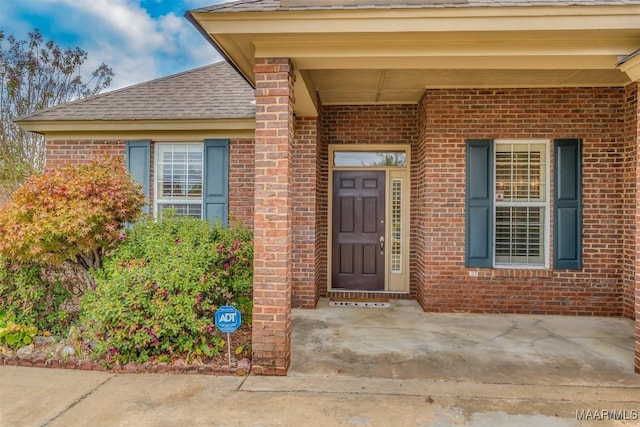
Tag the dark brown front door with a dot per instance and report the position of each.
(358, 226)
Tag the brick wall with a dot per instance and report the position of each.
(322, 203)
(364, 124)
(419, 197)
(452, 116)
(631, 268)
(241, 180)
(59, 153)
(303, 268)
(630, 199)
(637, 220)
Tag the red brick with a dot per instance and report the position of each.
(273, 215)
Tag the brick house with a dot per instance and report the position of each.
(473, 155)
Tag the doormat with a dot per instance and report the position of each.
(358, 302)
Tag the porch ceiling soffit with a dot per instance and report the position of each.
(391, 56)
(157, 130)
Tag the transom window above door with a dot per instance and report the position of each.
(369, 158)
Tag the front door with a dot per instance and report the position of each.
(358, 230)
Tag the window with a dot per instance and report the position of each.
(193, 178)
(396, 225)
(179, 178)
(369, 158)
(508, 204)
(521, 203)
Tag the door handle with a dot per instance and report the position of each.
(381, 245)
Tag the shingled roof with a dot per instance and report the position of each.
(212, 92)
(278, 5)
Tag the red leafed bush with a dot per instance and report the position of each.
(74, 214)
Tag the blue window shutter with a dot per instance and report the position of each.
(479, 204)
(138, 164)
(567, 204)
(216, 180)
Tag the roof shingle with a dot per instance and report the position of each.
(277, 5)
(212, 92)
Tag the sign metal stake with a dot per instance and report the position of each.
(229, 348)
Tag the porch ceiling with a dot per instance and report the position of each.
(388, 86)
(369, 57)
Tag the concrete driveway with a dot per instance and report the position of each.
(369, 367)
(403, 342)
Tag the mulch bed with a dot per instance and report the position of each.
(217, 365)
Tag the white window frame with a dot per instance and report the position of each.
(158, 201)
(546, 204)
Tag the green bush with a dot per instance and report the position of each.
(36, 295)
(158, 291)
(13, 334)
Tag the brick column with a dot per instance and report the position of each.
(272, 216)
(636, 137)
(305, 286)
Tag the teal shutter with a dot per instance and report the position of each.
(138, 164)
(567, 204)
(216, 180)
(479, 204)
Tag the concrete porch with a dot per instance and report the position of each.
(403, 342)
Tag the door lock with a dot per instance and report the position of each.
(381, 245)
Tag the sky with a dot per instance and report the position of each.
(139, 39)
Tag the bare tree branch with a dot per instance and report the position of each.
(35, 74)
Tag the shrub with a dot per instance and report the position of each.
(72, 214)
(36, 295)
(157, 293)
(15, 335)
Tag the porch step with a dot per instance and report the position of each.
(359, 302)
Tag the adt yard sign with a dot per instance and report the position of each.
(228, 319)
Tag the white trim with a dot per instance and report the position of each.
(397, 282)
(156, 162)
(546, 204)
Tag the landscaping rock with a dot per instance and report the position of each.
(53, 352)
(244, 365)
(38, 357)
(43, 340)
(25, 352)
(179, 363)
(57, 349)
(68, 351)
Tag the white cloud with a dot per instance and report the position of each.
(139, 48)
(124, 19)
(119, 33)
